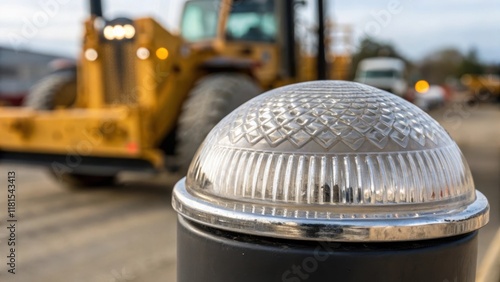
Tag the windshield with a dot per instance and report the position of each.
(249, 20)
(379, 74)
(199, 21)
(252, 20)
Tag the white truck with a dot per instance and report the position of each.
(384, 73)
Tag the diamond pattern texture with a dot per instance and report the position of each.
(334, 115)
(330, 143)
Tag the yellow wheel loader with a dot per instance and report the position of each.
(482, 88)
(143, 98)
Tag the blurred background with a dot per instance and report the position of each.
(443, 56)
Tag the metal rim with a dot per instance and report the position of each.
(456, 222)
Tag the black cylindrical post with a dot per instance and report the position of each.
(207, 254)
(96, 8)
(286, 38)
(321, 60)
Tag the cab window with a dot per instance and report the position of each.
(199, 20)
(252, 20)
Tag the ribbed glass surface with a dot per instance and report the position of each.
(364, 179)
(334, 144)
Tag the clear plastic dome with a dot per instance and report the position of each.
(349, 161)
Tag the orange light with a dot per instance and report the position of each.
(422, 86)
(162, 53)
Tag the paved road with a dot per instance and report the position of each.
(127, 233)
(477, 131)
(124, 233)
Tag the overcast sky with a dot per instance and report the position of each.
(416, 28)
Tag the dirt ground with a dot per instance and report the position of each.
(128, 233)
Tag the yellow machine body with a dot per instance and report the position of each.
(124, 113)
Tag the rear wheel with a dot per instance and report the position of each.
(55, 90)
(212, 98)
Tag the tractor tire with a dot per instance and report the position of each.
(56, 90)
(212, 98)
(73, 180)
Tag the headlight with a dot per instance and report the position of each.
(129, 31)
(91, 54)
(119, 32)
(142, 53)
(108, 33)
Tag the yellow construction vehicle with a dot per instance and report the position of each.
(140, 93)
(482, 88)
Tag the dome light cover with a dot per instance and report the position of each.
(335, 161)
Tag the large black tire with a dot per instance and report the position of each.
(212, 98)
(55, 90)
